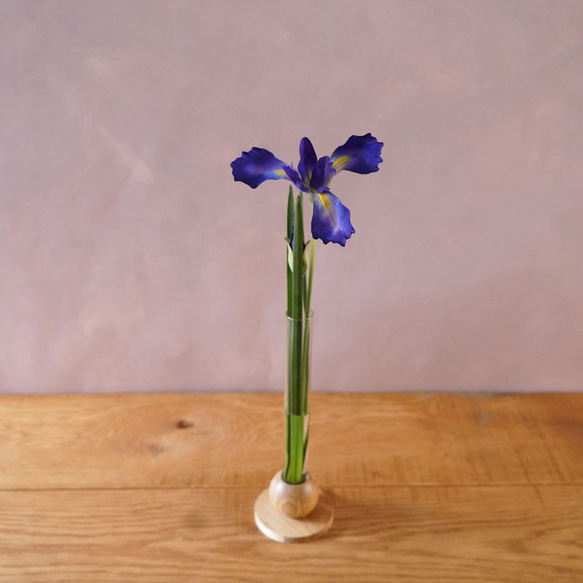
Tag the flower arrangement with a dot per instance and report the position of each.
(330, 222)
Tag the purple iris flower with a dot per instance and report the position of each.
(330, 218)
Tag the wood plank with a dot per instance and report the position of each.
(559, 424)
(431, 534)
(235, 440)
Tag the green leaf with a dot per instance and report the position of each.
(289, 227)
(290, 213)
(297, 303)
(307, 248)
(290, 256)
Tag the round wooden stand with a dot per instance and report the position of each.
(280, 499)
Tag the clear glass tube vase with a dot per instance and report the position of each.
(297, 388)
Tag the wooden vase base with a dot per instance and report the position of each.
(283, 529)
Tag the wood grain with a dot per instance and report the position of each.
(427, 488)
(152, 441)
(426, 534)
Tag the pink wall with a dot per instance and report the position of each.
(130, 260)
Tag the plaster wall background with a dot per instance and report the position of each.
(131, 261)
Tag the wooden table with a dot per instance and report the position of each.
(160, 488)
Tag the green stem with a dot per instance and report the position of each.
(289, 233)
(299, 291)
(294, 470)
(297, 301)
(306, 339)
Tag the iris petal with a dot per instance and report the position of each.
(257, 166)
(330, 219)
(307, 161)
(293, 175)
(360, 154)
(321, 175)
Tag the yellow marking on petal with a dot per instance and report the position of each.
(280, 172)
(325, 202)
(341, 161)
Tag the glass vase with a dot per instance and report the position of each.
(293, 508)
(297, 388)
